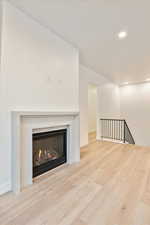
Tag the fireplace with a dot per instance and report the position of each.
(49, 150)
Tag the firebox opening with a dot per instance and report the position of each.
(49, 150)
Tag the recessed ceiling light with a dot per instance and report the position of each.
(122, 34)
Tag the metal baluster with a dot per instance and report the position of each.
(124, 133)
(119, 130)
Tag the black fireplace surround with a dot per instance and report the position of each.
(49, 150)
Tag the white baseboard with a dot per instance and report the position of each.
(98, 138)
(4, 188)
(112, 140)
(83, 146)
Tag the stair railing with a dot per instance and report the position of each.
(116, 129)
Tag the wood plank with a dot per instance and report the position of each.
(110, 186)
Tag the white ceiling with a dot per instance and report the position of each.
(92, 26)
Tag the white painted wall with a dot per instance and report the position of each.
(0, 28)
(92, 108)
(135, 108)
(130, 102)
(38, 71)
(87, 76)
(107, 100)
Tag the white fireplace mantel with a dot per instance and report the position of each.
(23, 124)
(43, 113)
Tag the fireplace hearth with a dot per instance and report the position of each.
(49, 150)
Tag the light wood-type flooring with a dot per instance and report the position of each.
(91, 137)
(110, 186)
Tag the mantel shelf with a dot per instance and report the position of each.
(44, 113)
